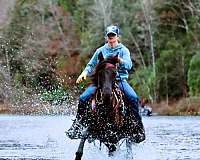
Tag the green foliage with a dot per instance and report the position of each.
(23, 45)
(16, 31)
(18, 78)
(175, 31)
(169, 75)
(91, 18)
(68, 5)
(176, 42)
(194, 76)
(15, 36)
(142, 81)
(54, 96)
(89, 26)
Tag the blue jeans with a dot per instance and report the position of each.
(125, 88)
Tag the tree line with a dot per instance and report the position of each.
(43, 37)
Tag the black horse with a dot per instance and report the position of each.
(108, 117)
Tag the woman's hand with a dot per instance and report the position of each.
(82, 77)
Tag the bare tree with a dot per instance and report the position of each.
(56, 17)
(146, 7)
(103, 9)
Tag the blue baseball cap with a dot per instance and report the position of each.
(112, 30)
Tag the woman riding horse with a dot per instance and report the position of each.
(111, 48)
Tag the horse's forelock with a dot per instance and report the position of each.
(107, 63)
(98, 68)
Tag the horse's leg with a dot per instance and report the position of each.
(100, 145)
(129, 154)
(79, 152)
(111, 149)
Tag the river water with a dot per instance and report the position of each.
(43, 138)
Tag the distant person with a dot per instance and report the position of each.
(110, 48)
(145, 109)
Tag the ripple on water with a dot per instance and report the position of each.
(43, 138)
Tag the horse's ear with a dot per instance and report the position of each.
(116, 56)
(100, 57)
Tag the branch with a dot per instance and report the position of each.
(53, 10)
(138, 48)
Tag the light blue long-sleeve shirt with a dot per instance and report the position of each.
(123, 52)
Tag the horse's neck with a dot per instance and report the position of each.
(117, 95)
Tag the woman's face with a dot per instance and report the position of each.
(112, 40)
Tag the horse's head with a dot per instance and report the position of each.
(104, 77)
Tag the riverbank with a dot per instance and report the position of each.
(3, 108)
(184, 106)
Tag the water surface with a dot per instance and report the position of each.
(43, 138)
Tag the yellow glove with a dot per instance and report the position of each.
(82, 77)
